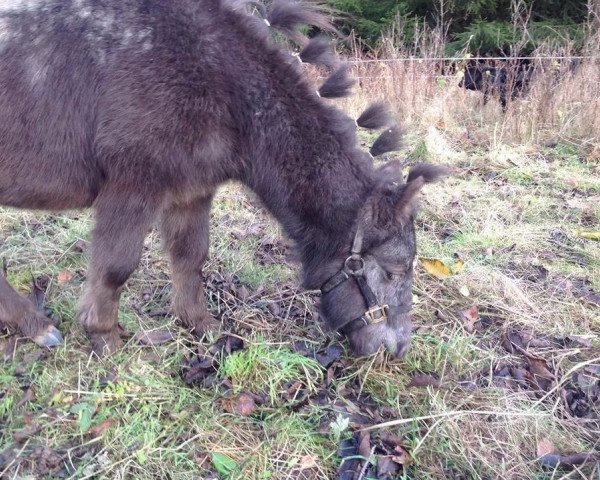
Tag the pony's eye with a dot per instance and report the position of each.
(390, 276)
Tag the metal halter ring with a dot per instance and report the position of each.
(354, 271)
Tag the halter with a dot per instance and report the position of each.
(354, 267)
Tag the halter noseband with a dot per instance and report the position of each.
(354, 267)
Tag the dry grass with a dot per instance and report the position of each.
(561, 106)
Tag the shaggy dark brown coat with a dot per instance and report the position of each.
(141, 108)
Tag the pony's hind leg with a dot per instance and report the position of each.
(20, 314)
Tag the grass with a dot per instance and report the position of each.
(523, 185)
(161, 428)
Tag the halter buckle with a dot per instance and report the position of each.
(377, 314)
(354, 271)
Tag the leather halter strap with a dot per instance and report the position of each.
(354, 268)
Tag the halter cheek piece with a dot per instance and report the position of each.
(354, 267)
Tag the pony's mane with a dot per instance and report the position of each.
(291, 18)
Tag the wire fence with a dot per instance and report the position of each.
(464, 59)
(448, 61)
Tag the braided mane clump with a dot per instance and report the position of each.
(291, 18)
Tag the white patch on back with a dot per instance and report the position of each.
(4, 33)
(21, 5)
(144, 38)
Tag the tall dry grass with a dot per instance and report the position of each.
(562, 104)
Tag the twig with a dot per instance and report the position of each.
(363, 470)
(459, 413)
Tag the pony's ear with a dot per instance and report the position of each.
(418, 176)
(389, 173)
(407, 201)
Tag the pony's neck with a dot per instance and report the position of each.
(315, 184)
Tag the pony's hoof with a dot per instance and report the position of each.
(106, 343)
(50, 337)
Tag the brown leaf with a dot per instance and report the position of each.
(364, 444)
(542, 376)
(590, 296)
(307, 462)
(29, 431)
(584, 342)
(154, 337)
(423, 380)
(28, 397)
(202, 368)
(65, 276)
(80, 246)
(545, 447)
(243, 293)
(470, 316)
(292, 390)
(10, 348)
(401, 456)
(98, 429)
(34, 356)
(589, 235)
(458, 266)
(386, 467)
(242, 404)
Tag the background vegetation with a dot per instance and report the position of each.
(479, 26)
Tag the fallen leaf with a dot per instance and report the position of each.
(364, 444)
(80, 246)
(423, 380)
(435, 267)
(470, 316)
(273, 307)
(28, 397)
(307, 462)
(584, 342)
(203, 368)
(10, 349)
(242, 404)
(291, 391)
(34, 356)
(243, 293)
(589, 235)
(325, 356)
(98, 429)
(458, 267)
(590, 296)
(29, 431)
(386, 467)
(401, 456)
(65, 276)
(351, 464)
(154, 337)
(223, 464)
(543, 378)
